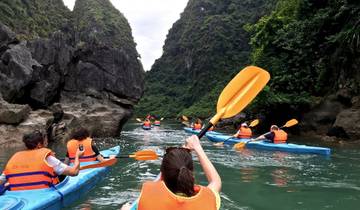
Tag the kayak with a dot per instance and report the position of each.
(219, 137)
(191, 130)
(266, 145)
(146, 127)
(63, 194)
(157, 124)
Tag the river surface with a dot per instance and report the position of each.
(252, 179)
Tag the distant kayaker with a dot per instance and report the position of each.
(176, 188)
(36, 167)
(157, 122)
(197, 125)
(276, 135)
(80, 138)
(244, 132)
(147, 123)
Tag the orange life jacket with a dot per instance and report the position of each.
(28, 170)
(155, 195)
(280, 137)
(244, 133)
(157, 122)
(197, 126)
(73, 145)
(147, 124)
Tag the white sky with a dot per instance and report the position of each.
(150, 21)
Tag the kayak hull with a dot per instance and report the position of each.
(227, 139)
(146, 127)
(266, 145)
(67, 192)
(193, 131)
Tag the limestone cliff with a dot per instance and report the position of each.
(81, 67)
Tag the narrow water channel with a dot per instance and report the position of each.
(252, 179)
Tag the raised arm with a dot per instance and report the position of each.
(212, 175)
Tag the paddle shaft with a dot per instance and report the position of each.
(204, 130)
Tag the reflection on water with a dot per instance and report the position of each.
(252, 179)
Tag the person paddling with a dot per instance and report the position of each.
(197, 125)
(176, 188)
(81, 139)
(276, 135)
(36, 167)
(147, 123)
(244, 132)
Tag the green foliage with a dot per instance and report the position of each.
(202, 52)
(100, 22)
(310, 47)
(36, 18)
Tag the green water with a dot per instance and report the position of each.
(252, 179)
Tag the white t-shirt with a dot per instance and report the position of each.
(58, 166)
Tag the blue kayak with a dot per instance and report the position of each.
(66, 192)
(191, 130)
(146, 127)
(266, 145)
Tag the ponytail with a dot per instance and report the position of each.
(177, 171)
(185, 182)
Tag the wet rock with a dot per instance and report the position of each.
(322, 116)
(349, 121)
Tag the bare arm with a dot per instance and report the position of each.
(212, 175)
(74, 170)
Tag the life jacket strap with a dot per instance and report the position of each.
(30, 174)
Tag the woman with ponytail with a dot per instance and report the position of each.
(176, 189)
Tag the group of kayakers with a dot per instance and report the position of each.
(276, 135)
(147, 122)
(37, 167)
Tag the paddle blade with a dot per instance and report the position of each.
(187, 124)
(106, 163)
(139, 120)
(145, 155)
(254, 123)
(290, 123)
(161, 119)
(239, 145)
(240, 91)
(185, 118)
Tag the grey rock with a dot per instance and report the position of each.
(349, 121)
(11, 136)
(16, 72)
(6, 37)
(13, 113)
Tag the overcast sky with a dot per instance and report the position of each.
(150, 21)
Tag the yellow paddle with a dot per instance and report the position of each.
(288, 124)
(252, 124)
(240, 91)
(140, 155)
(185, 118)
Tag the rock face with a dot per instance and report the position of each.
(85, 73)
(337, 116)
